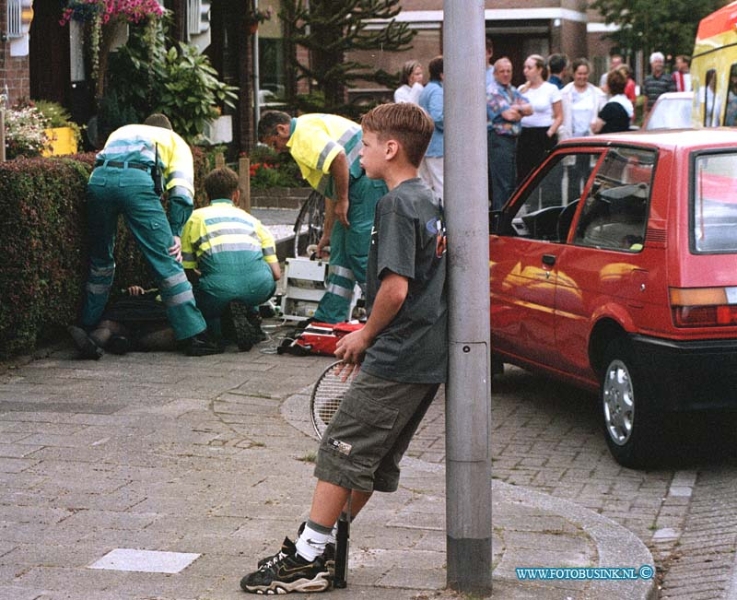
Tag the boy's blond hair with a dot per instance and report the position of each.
(405, 122)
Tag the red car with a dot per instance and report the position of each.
(614, 268)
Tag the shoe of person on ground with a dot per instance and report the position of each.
(87, 347)
(202, 345)
(246, 326)
(290, 573)
(118, 344)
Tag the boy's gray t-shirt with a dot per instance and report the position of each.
(408, 239)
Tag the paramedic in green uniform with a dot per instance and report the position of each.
(326, 148)
(228, 254)
(122, 183)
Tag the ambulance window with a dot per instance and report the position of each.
(709, 100)
(730, 117)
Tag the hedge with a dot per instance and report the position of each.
(44, 263)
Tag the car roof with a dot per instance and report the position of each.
(663, 138)
(668, 95)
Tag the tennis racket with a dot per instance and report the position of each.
(326, 397)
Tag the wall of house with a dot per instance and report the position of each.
(14, 70)
(540, 26)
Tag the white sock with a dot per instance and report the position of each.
(311, 543)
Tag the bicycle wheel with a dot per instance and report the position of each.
(309, 223)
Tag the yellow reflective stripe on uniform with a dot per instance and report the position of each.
(98, 288)
(106, 272)
(329, 147)
(174, 280)
(341, 272)
(348, 136)
(353, 155)
(178, 179)
(339, 290)
(177, 299)
(118, 149)
(269, 251)
(230, 247)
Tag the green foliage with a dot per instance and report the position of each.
(42, 208)
(113, 113)
(178, 81)
(329, 29)
(190, 91)
(270, 169)
(54, 113)
(648, 26)
(58, 116)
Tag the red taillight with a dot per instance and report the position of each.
(703, 307)
(704, 316)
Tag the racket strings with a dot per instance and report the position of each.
(326, 398)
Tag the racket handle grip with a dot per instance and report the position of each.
(341, 551)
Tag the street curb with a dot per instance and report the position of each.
(616, 546)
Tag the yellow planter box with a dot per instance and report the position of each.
(63, 141)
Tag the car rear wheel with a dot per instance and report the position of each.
(630, 421)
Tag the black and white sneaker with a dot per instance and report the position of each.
(290, 573)
(288, 547)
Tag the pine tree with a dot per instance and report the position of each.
(329, 29)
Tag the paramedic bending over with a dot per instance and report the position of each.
(326, 149)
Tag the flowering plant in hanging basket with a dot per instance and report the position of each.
(103, 16)
(255, 17)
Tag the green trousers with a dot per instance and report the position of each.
(349, 250)
(251, 284)
(112, 192)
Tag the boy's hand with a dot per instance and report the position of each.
(352, 348)
(346, 371)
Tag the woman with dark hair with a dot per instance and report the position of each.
(411, 80)
(540, 129)
(616, 114)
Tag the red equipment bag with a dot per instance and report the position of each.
(317, 338)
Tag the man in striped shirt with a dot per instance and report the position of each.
(229, 257)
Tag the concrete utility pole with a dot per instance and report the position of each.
(468, 392)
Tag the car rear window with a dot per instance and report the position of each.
(714, 207)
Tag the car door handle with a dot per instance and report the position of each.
(549, 259)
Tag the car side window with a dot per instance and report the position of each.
(713, 208)
(614, 215)
(546, 210)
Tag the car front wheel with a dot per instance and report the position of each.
(631, 427)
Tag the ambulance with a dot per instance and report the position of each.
(714, 69)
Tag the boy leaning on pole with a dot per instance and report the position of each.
(402, 352)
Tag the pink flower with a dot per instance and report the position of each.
(130, 11)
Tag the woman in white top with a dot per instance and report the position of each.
(582, 102)
(411, 80)
(540, 129)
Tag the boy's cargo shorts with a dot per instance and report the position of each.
(370, 432)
